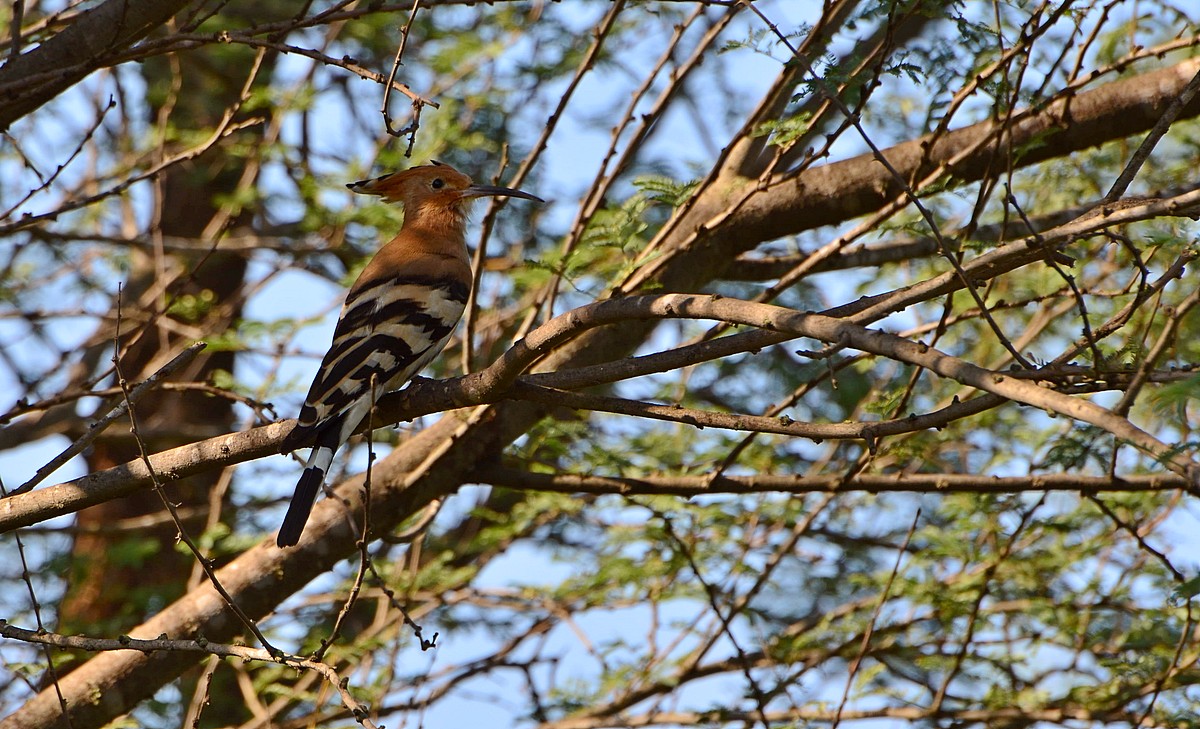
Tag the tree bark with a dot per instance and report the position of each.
(38, 75)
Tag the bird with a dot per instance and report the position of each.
(397, 317)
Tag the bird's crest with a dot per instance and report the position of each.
(436, 183)
(415, 183)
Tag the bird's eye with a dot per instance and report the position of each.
(438, 183)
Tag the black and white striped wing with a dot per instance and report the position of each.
(389, 328)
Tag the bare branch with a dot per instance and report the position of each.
(77, 50)
(922, 483)
(97, 427)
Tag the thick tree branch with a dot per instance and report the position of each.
(498, 382)
(245, 653)
(736, 217)
(80, 48)
(926, 483)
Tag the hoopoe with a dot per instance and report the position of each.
(398, 316)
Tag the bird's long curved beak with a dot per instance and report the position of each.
(493, 191)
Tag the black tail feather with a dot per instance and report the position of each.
(310, 482)
(301, 507)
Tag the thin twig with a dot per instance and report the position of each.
(14, 25)
(477, 266)
(985, 581)
(1152, 138)
(417, 103)
(96, 428)
(201, 694)
(62, 166)
(204, 562)
(1136, 534)
(395, 603)
(866, 639)
(714, 603)
(1080, 301)
(364, 557)
(27, 578)
(1166, 339)
(224, 129)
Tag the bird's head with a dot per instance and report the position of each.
(433, 187)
